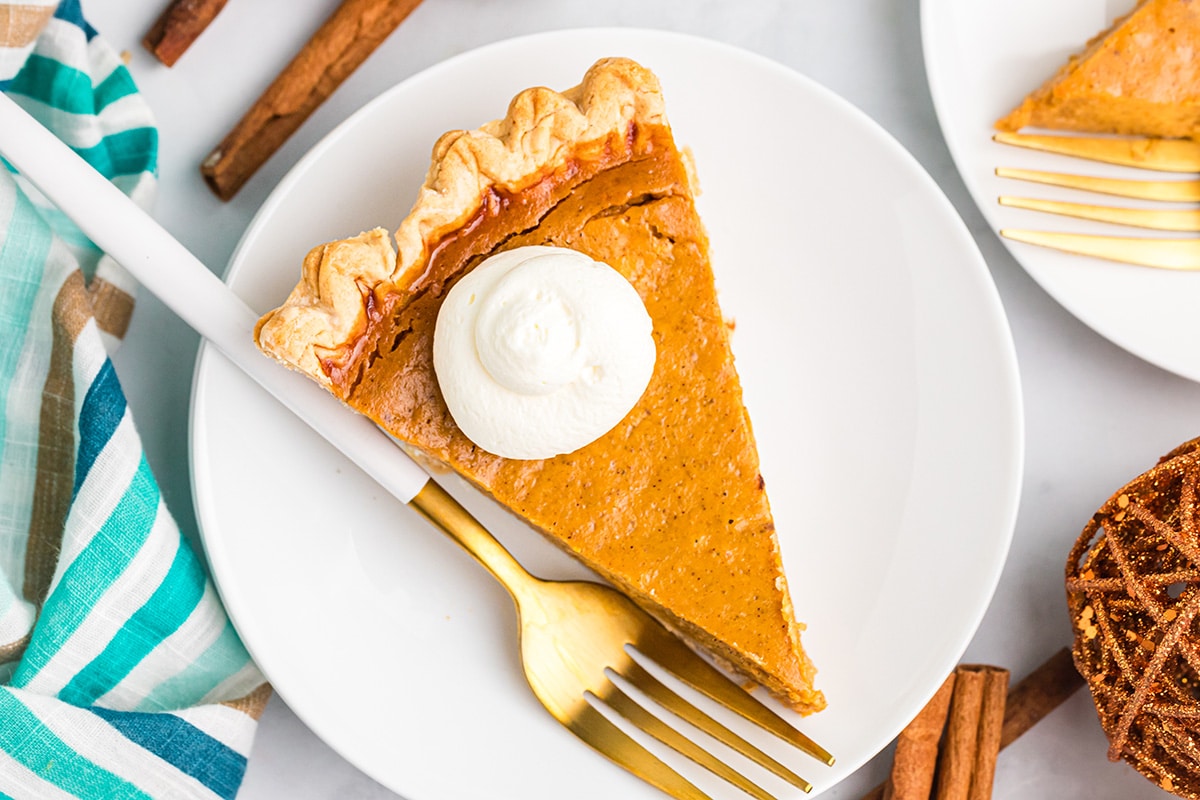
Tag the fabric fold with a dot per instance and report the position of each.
(120, 673)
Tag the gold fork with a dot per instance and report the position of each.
(577, 638)
(577, 635)
(1165, 155)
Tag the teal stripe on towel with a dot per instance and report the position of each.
(118, 84)
(224, 657)
(126, 153)
(182, 745)
(100, 415)
(98, 565)
(55, 84)
(68, 89)
(28, 741)
(70, 11)
(166, 609)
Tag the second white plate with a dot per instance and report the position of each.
(878, 369)
(981, 59)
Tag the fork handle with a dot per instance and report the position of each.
(119, 227)
(436, 505)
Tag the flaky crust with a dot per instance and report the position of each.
(542, 131)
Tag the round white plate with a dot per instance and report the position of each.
(982, 58)
(878, 369)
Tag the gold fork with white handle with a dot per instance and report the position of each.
(575, 635)
(1165, 155)
(577, 638)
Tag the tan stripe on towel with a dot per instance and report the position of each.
(56, 442)
(112, 306)
(13, 650)
(21, 24)
(252, 705)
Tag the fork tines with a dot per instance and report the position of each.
(620, 702)
(1180, 220)
(1173, 254)
(681, 661)
(1158, 154)
(1171, 191)
(653, 688)
(629, 679)
(1168, 155)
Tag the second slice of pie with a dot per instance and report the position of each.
(669, 505)
(1139, 77)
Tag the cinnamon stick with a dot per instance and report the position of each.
(991, 723)
(1032, 699)
(917, 749)
(972, 739)
(345, 40)
(180, 24)
(962, 733)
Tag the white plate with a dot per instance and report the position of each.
(878, 368)
(981, 59)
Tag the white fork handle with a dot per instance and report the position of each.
(167, 269)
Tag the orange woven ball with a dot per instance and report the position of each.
(1133, 590)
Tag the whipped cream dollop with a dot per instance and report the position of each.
(540, 351)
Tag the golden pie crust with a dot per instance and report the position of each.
(1140, 77)
(670, 505)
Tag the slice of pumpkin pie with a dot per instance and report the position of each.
(1140, 77)
(668, 502)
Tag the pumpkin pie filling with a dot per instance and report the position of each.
(669, 505)
(1139, 77)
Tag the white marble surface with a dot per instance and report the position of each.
(1095, 415)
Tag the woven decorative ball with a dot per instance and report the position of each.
(1133, 590)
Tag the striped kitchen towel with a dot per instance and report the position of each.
(120, 674)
